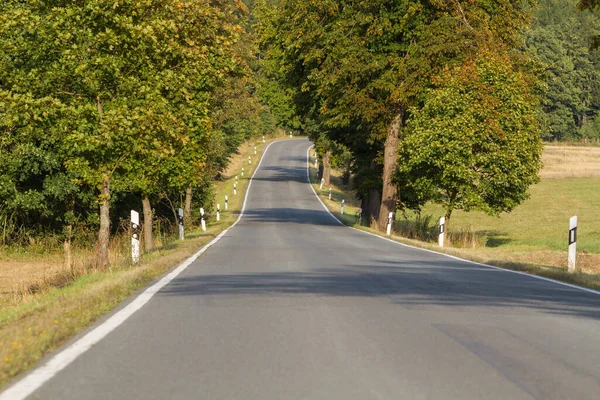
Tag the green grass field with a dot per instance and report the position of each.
(540, 223)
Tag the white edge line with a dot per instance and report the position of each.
(36, 378)
(433, 251)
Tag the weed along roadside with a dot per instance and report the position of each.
(544, 255)
(34, 324)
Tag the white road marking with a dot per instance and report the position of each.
(36, 378)
(432, 251)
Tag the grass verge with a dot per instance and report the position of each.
(42, 321)
(507, 259)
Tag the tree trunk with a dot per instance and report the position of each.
(147, 209)
(390, 164)
(187, 211)
(371, 203)
(104, 231)
(67, 247)
(327, 169)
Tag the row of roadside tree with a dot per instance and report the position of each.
(109, 105)
(434, 100)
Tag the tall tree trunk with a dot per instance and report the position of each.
(147, 209)
(374, 203)
(371, 203)
(69, 237)
(327, 168)
(187, 211)
(390, 164)
(187, 208)
(67, 247)
(104, 231)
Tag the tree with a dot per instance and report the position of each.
(475, 144)
(113, 65)
(359, 66)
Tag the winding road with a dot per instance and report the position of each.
(289, 304)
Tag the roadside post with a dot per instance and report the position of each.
(135, 237)
(254, 150)
(342, 210)
(242, 171)
(226, 202)
(264, 139)
(218, 212)
(442, 231)
(290, 134)
(202, 220)
(572, 262)
(249, 160)
(235, 188)
(360, 216)
(322, 182)
(389, 224)
(180, 218)
(329, 193)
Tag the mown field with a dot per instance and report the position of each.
(534, 236)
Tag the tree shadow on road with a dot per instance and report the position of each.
(281, 174)
(413, 284)
(289, 216)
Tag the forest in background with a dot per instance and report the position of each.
(110, 106)
(562, 39)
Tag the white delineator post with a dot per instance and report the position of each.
(389, 224)
(316, 162)
(135, 237)
(235, 189)
(342, 210)
(360, 216)
(242, 171)
(442, 231)
(322, 182)
(329, 193)
(218, 212)
(202, 220)
(249, 160)
(254, 150)
(290, 134)
(264, 139)
(572, 262)
(180, 218)
(226, 202)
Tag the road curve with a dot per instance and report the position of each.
(291, 305)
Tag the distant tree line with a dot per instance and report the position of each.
(564, 41)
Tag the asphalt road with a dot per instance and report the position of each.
(291, 305)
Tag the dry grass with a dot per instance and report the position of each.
(570, 162)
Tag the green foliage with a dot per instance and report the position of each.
(353, 68)
(109, 92)
(560, 39)
(475, 144)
